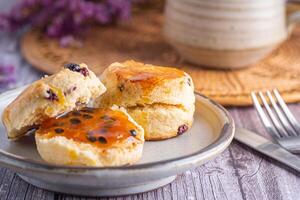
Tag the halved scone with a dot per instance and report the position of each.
(160, 99)
(72, 87)
(91, 137)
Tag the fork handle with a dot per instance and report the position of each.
(291, 144)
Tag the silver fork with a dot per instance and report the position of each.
(278, 119)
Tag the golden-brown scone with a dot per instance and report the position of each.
(91, 137)
(133, 83)
(73, 86)
(149, 93)
(162, 121)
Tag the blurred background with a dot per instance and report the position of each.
(230, 48)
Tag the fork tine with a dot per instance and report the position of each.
(262, 115)
(271, 114)
(287, 112)
(281, 116)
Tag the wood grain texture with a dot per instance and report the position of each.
(238, 173)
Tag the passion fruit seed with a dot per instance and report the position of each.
(133, 132)
(102, 140)
(86, 116)
(182, 129)
(91, 138)
(105, 117)
(76, 113)
(75, 121)
(103, 130)
(87, 110)
(51, 95)
(59, 130)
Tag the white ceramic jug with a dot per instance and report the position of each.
(227, 33)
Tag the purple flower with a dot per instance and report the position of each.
(120, 8)
(7, 77)
(62, 18)
(66, 40)
(5, 82)
(4, 22)
(101, 14)
(7, 70)
(87, 8)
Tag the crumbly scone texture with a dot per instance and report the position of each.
(49, 97)
(62, 151)
(162, 121)
(161, 99)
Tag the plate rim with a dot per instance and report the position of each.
(226, 136)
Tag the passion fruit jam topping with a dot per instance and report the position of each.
(101, 127)
(147, 75)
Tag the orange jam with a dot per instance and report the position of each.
(146, 75)
(101, 127)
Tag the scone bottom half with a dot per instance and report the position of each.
(74, 86)
(160, 99)
(94, 137)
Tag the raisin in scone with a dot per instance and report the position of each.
(75, 85)
(91, 137)
(160, 99)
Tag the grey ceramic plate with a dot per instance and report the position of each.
(212, 132)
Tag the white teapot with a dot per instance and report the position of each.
(227, 33)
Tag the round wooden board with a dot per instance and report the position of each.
(141, 39)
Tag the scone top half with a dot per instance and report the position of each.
(136, 84)
(75, 85)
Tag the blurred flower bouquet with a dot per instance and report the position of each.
(7, 77)
(66, 19)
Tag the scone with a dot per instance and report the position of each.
(91, 137)
(160, 99)
(75, 85)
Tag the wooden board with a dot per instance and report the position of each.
(142, 39)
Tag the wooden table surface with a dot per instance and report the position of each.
(238, 173)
